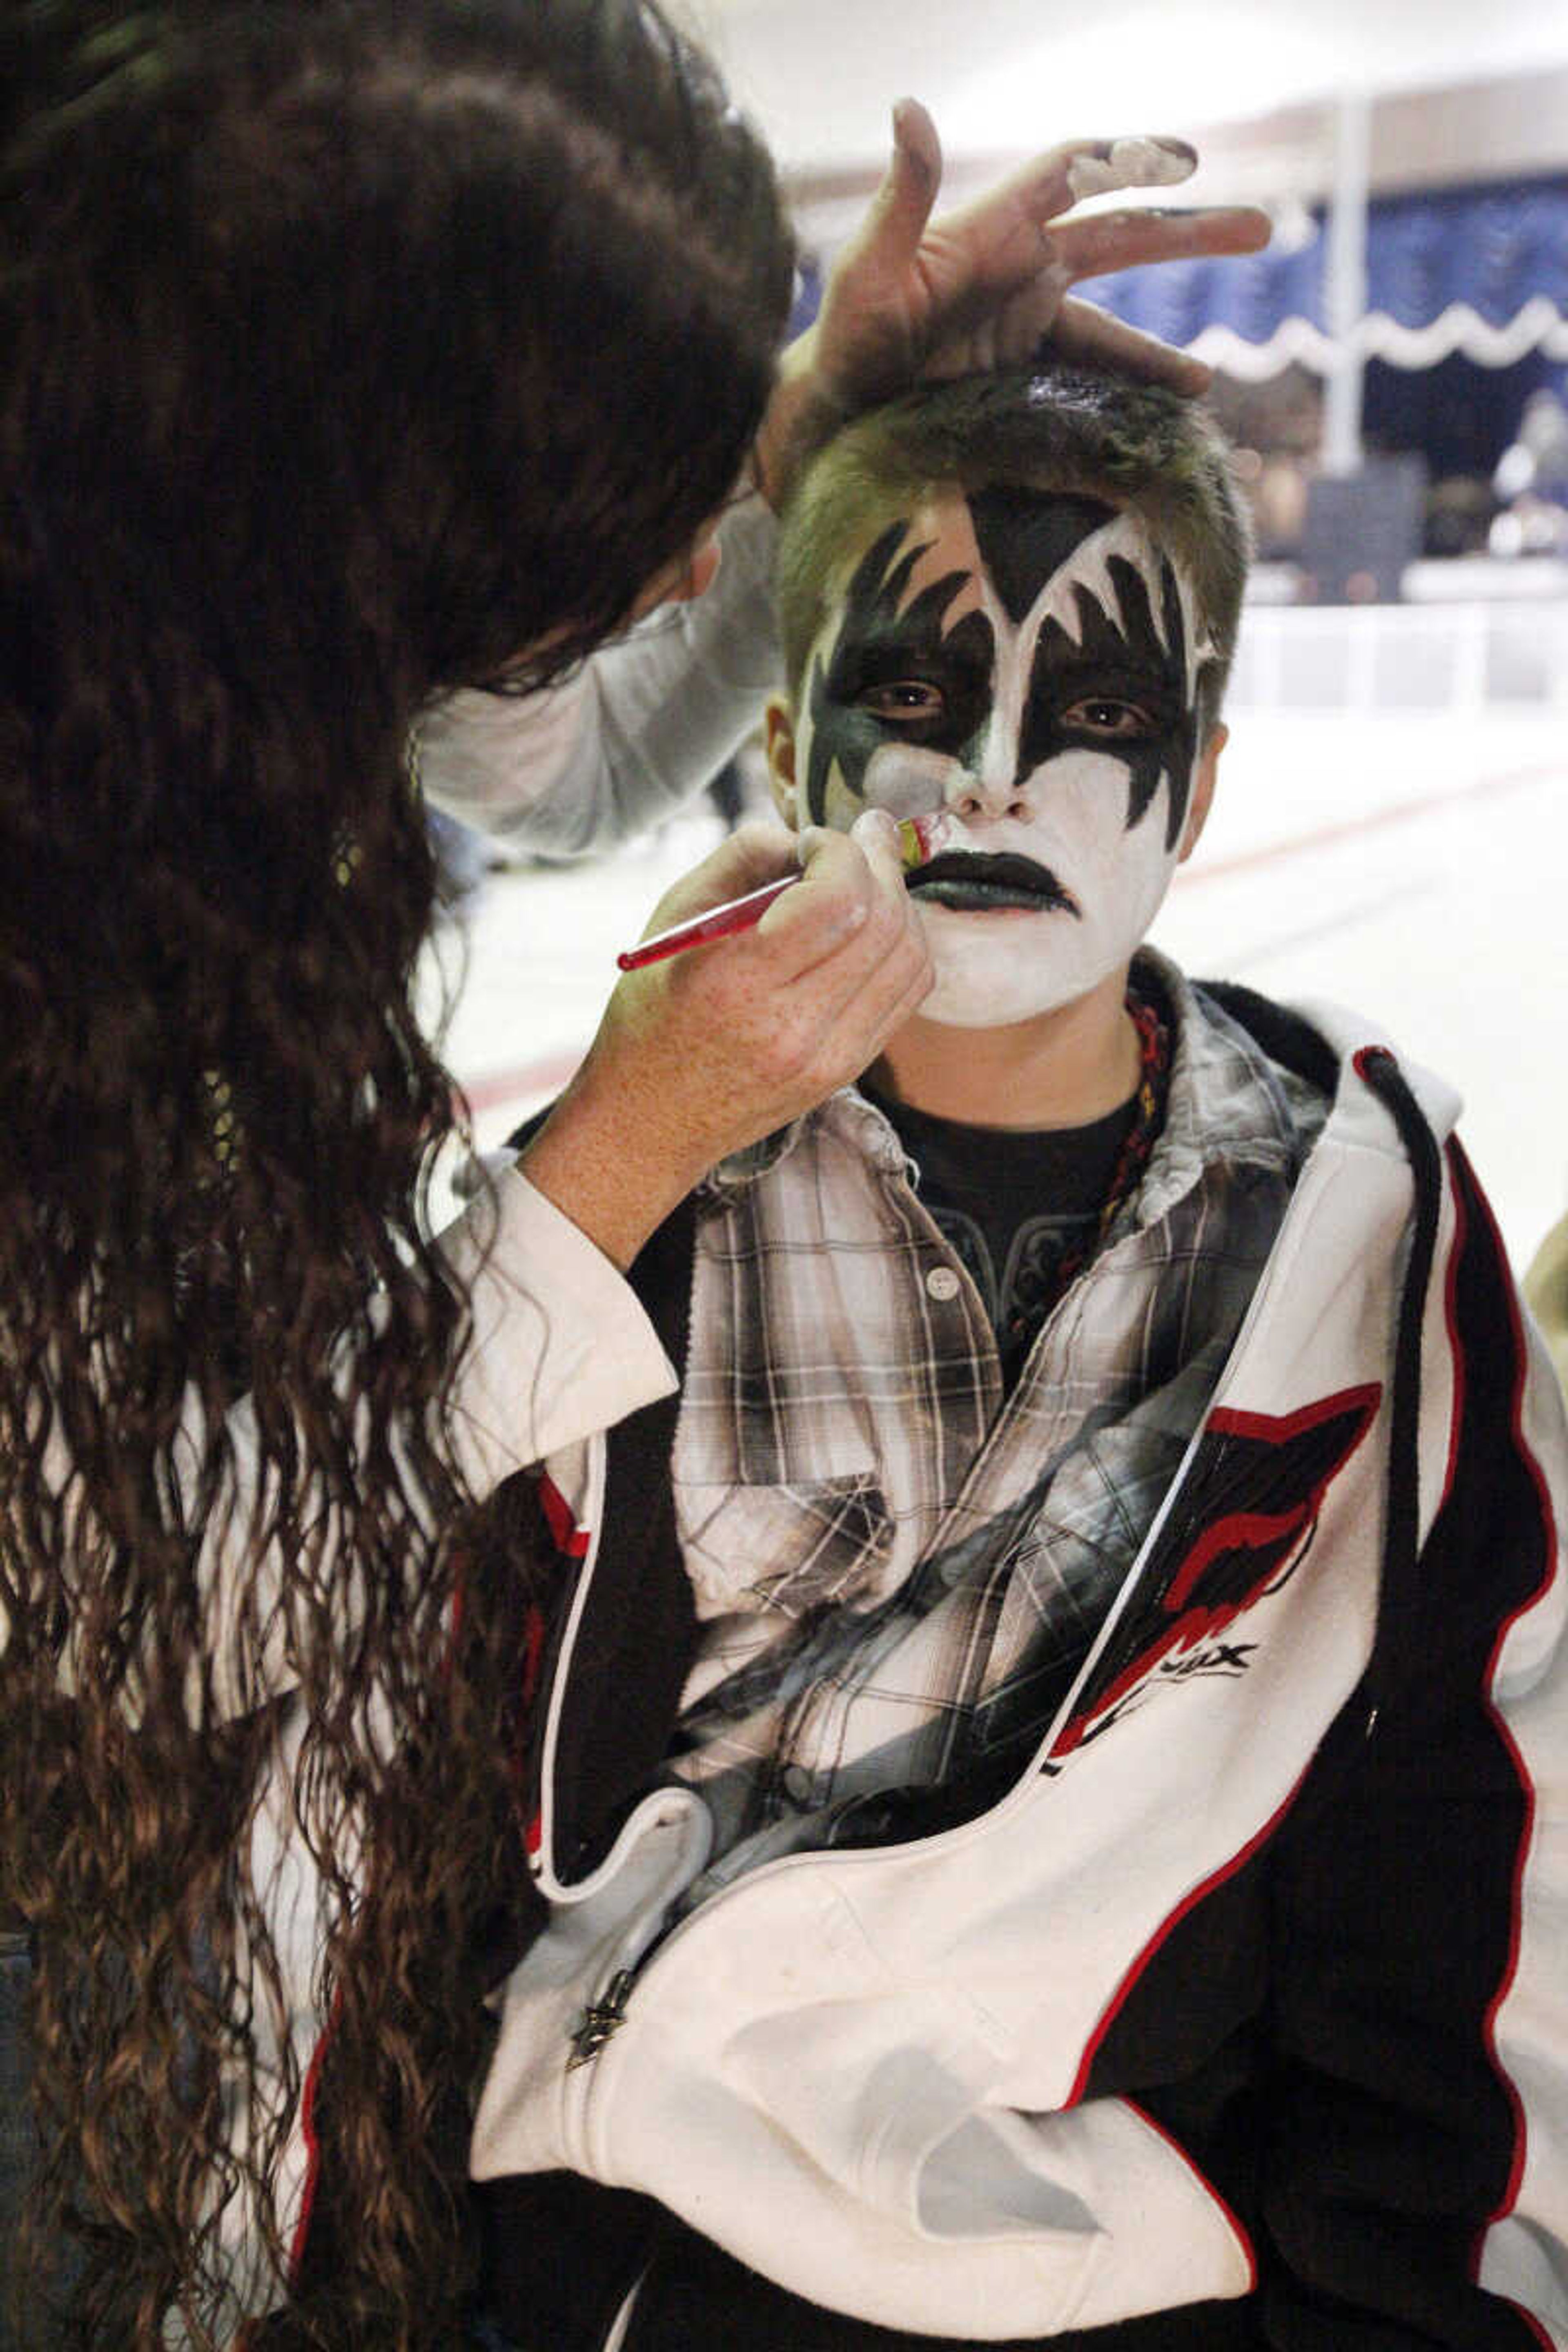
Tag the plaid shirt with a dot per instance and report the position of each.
(898, 1564)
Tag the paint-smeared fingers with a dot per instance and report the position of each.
(1053, 183)
(995, 245)
(1126, 239)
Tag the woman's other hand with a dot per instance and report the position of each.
(986, 286)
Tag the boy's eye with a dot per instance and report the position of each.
(903, 698)
(1104, 714)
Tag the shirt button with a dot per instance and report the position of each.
(797, 1783)
(941, 1281)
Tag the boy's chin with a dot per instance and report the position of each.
(965, 1001)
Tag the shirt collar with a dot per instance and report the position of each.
(1227, 1102)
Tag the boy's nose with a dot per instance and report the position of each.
(983, 792)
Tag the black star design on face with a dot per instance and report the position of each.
(1122, 657)
(877, 644)
(1123, 660)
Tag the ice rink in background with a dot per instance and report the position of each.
(1413, 869)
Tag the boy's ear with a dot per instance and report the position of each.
(1202, 798)
(778, 736)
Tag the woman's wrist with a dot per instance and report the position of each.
(603, 1162)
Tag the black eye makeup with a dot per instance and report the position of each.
(1107, 666)
(912, 688)
(895, 672)
(1123, 699)
(904, 700)
(1119, 655)
(1108, 715)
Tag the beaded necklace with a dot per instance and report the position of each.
(1149, 1117)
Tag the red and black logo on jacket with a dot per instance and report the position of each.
(1239, 1526)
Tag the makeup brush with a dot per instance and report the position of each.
(740, 914)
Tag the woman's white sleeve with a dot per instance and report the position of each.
(558, 1346)
(635, 731)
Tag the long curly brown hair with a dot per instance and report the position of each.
(346, 350)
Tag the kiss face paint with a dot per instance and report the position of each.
(1024, 662)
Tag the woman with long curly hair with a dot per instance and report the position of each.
(257, 510)
(348, 356)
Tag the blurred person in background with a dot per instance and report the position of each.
(1537, 458)
(1546, 1289)
(1531, 482)
(349, 357)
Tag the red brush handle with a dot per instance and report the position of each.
(717, 923)
(915, 834)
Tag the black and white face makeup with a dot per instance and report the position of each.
(1026, 663)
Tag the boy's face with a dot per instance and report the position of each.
(1025, 663)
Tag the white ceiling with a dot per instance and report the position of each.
(1006, 76)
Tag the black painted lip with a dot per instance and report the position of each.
(972, 880)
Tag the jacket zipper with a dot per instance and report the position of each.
(601, 2018)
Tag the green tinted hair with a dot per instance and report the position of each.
(1077, 430)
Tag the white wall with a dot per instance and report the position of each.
(820, 75)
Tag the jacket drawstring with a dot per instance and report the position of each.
(1377, 1067)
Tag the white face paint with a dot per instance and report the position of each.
(993, 969)
(1026, 663)
(1129, 163)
